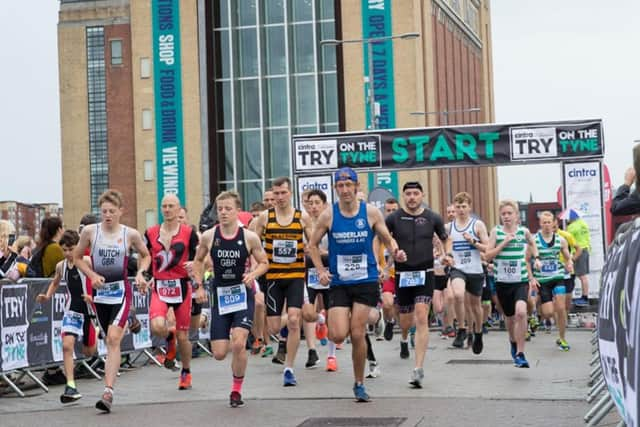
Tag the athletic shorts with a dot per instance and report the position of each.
(581, 265)
(347, 295)
(570, 284)
(291, 290)
(486, 293)
(548, 290)
(408, 297)
(440, 282)
(262, 283)
(115, 314)
(389, 286)
(473, 283)
(312, 293)
(182, 310)
(196, 308)
(221, 325)
(88, 332)
(509, 294)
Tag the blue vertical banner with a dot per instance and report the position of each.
(376, 22)
(167, 77)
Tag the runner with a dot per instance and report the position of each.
(110, 243)
(550, 278)
(353, 273)
(269, 199)
(172, 245)
(76, 322)
(508, 244)
(442, 295)
(469, 237)
(414, 228)
(284, 227)
(230, 247)
(575, 251)
(385, 264)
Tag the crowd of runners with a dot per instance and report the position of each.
(336, 273)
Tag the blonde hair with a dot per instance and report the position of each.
(230, 195)
(508, 202)
(547, 214)
(112, 196)
(463, 197)
(23, 241)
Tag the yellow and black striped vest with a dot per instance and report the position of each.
(284, 247)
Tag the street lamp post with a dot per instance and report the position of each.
(369, 43)
(445, 121)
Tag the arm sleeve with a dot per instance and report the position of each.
(438, 227)
(389, 223)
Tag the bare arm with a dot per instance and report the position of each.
(259, 223)
(259, 255)
(55, 282)
(531, 241)
(378, 225)
(198, 264)
(483, 236)
(492, 249)
(85, 243)
(144, 259)
(564, 248)
(320, 229)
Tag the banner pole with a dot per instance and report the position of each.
(11, 384)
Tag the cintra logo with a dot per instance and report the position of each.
(581, 173)
(315, 186)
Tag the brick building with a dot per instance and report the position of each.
(26, 217)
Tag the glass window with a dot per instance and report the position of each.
(305, 100)
(276, 102)
(329, 128)
(277, 152)
(250, 192)
(221, 13)
(148, 170)
(222, 54)
(328, 51)
(248, 53)
(250, 106)
(304, 130)
(329, 98)
(327, 9)
(275, 55)
(145, 68)
(248, 155)
(246, 10)
(223, 90)
(303, 48)
(224, 141)
(147, 119)
(116, 52)
(302, 10)
(273, 11)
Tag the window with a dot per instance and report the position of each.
(148, 170)
(116, 52)
(145, 68)
(150, 217)
(147, 119)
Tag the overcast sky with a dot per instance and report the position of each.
(552, 60)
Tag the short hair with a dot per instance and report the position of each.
(258, 206)
(88, 219)
(23, 241)
(547, 214)
(508, 202)
(391, 200)
(319, 193)
(112, 196)
(463, 197)
(305, 194)
(225, 195)
(184, 209)
(281, 181)
(69, 238)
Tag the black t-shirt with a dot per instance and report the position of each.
(414, 234)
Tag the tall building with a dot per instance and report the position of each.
(27, 217)
(198, 96)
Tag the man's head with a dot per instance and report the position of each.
(227, 206)
(68, 243)
(111, 204)
(451, 212)
(282, 192)
(390, 206)
(256, 208)
(547, 222)
(305, 200)
(170, 206)
(268, 199)
(316, 203)
(412, 195)
(183, 217)
(509, 212)
(87, 219)
(346, 184)
(462, 202)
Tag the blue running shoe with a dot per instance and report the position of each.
(289, 378)
(521, 362)
(360, 393)
(514, 350)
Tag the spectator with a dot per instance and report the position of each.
(23, 247)
(50, 232)
(626, 202)
(7, 255)
(579, 229)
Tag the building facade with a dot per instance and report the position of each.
(27, 217)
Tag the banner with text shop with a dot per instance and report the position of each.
(439, 147)
(167, 79)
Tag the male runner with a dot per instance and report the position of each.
(385, 263)
(414, 227)
(508, 245)
(353, 273)
(268, 198)
(110, 243)
(468, 235)
(283, 227)
(172, 245)
(550, 278)
(230, 247)
(575, 251)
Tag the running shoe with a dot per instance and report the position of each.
(322, 331)
(105, 403)
(172, 347)
(469, 340)
(452, 332)
(412, 337)
(521, 361)
(289, 378)
(312, 359)
(379, 328)
(388, 331)
(562, 345)
(235, 400)
(280, 356)
(477, 345)
(533, 324)
(374, 370)
(69, 395)
(360, 393)
(514, 351)
(185, 381)
(267, 351)
(582, 301)
(460, 337)
(404, 350)
(256, 348)
(485, 327)
(332, 364)
(417, 376)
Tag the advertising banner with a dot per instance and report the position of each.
(167, 78)
(441, 147)
(323, 183)
(14, 323)
(583, 193)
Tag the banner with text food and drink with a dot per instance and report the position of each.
(167, 79)
(441, 147)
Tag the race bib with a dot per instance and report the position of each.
(169, 291)
(110, 293)
(549, 267)
(72, 323)
(232, 298)
(284, 251)
(509, 271)
(409, 279)
(352, 267)
(313, 279)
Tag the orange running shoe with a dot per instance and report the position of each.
(185, 381)
(321, 331)
(257, 346)
(332, 364)
(172, 348)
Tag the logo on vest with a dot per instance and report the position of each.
(360, 223)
